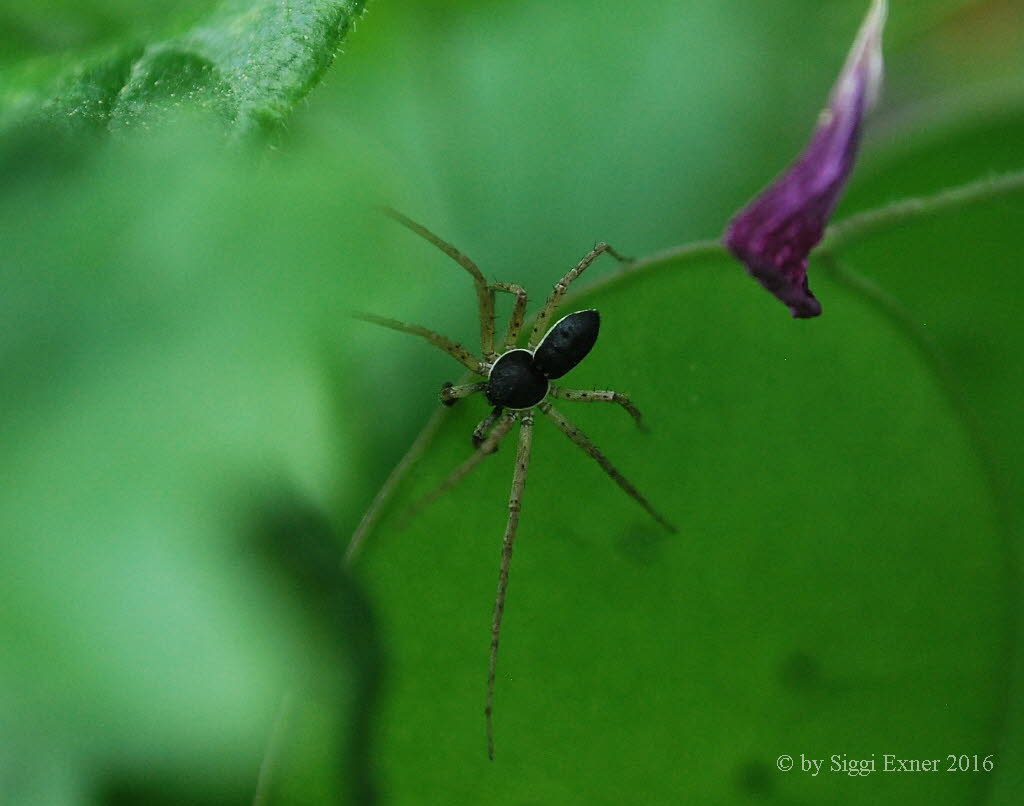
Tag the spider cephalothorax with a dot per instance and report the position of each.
(518, 382)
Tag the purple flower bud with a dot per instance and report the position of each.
(776, 231)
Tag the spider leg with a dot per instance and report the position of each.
(455, 350)
(416, 450)
(450, 394)
(598, 396)
(590, 448)
(485, 299)
(515, 321)
(488, 446)
(540, 326)
(479, 433)
(514, 502)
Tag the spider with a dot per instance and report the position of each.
(518, 383)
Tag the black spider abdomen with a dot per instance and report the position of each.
(514, 382)
(567, 343)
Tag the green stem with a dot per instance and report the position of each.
(849, 229)
(694, 250)
(841, 233)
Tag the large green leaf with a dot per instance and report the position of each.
(805, 606)
(824, 566)
(954, 277)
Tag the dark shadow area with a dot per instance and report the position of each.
(136, 790)
(299, 542)
(295, 541)
(643, 544)
(800, 672)
(754, 779)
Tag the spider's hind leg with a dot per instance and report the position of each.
(480, 432)
(583, 441)
(487, 446)
(514, 503)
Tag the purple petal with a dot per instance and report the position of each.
(775, 232)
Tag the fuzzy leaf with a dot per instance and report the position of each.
(248, 62)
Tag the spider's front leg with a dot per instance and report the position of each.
(518, 315)
(583, 441)
(451, 394)
(454, 349)
(540, 326)
(485, 292)
(486, 447)
(485, 299)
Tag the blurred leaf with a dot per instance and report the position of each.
(53, 27)
(167, 354)
(249, 62)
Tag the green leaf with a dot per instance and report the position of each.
(805, 606)
(248, 62)
(954, 274)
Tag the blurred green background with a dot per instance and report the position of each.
(192, 427)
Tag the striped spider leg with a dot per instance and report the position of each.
(518, 383)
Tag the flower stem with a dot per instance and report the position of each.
(695, 250)
(842, 233)
(849, 229)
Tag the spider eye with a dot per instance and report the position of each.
(567, 343)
